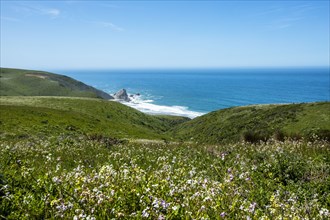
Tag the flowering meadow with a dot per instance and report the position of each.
(74, 177)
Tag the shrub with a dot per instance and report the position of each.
(295, 136)
(107, 141)
(324, 134)
(253, 137)
(279, 135)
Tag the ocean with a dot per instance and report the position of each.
(195, 92)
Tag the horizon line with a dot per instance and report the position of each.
(168, 68)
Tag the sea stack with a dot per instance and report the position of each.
(122, 95)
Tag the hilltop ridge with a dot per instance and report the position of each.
(258, 122)
(19, 82)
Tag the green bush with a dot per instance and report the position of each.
(253, 137)
(279, 135)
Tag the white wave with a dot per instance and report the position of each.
(148, 107)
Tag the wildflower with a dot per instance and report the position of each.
(61, 207)
(223, 214)
(56, 180)
(90, 218)
(70, 205)
(145, 213)
(155, 204)
(100, 201)
(324, 212)
(252, 207)
(223, 155)
(82, 215)
(231, 177)
(164, 204)
(174, 208)
(58, 166)
(192, 173)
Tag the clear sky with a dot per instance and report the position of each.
(175, 34)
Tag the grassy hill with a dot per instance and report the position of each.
(17, 82)
(58, 160)
(26, 115)
(55, 115)
(258, 122)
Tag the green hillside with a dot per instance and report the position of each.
(258, 122)
(55, 115)
(17, 82)
(65, 157)
(60, 158)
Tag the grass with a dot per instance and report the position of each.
(258, 122)
(53, 115)
(17, 82)
(86, 158)
(67, 176)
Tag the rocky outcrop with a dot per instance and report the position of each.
(122, 95)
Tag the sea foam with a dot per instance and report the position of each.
(147, 106)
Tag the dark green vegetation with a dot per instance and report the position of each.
(17, 82)
(260, 122)
(24, 116)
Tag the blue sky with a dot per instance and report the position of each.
(175, 34)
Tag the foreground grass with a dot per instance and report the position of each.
(77, 177)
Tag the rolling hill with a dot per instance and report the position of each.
(259, 122)
(30, 102)
(22, 115)
(18, 82)
(64, 157)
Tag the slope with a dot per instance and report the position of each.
(17, 82)
(258, 122)
(22, 115)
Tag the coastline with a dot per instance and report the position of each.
(195, 92)
(147, 106)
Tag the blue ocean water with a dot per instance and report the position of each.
(195, 92)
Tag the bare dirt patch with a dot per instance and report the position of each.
(36, 75)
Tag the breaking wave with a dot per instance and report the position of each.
(147, 106)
